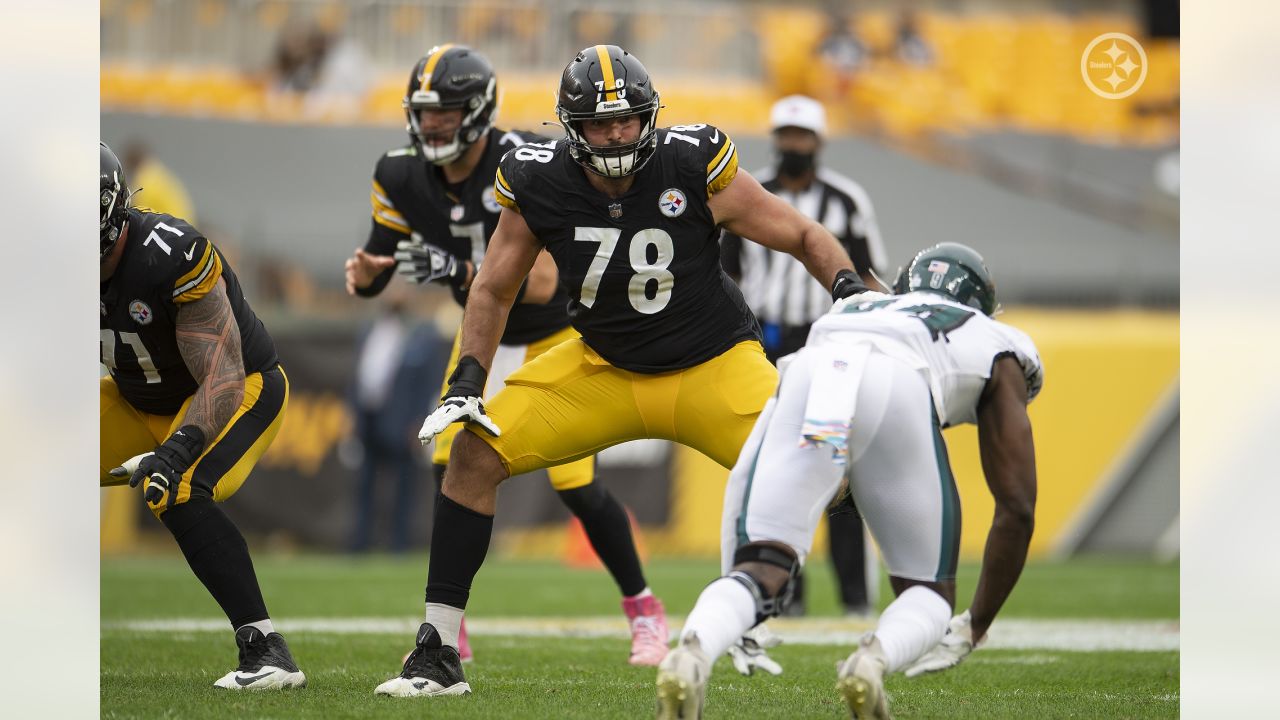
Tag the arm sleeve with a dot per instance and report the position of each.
(198, 271)
(722, 167)
(387, 228)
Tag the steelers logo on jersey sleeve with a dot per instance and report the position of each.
(672, 202)
(140, 312)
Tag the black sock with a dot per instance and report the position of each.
(609, 530)
(459, 542)
(219, 556)
(847, 554)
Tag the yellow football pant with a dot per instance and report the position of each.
(569, 403)
(225, 464)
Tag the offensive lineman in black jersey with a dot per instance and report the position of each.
(669, 350)
(194, 397)
(434, 201)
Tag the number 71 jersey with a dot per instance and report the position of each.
(642, 270)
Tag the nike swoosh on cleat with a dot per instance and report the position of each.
(245, 682)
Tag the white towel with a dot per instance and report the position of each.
(833, 396)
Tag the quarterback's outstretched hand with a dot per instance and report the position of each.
(163, 467)
(421, 262)
(751, 652)
(461, 403)
(954, 647)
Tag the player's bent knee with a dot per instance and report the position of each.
(768, 571)
(473, 461)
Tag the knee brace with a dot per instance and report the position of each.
(771, 606)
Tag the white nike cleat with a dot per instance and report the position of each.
(682, 681)
(265, 663)
(860, 681)
(432, 669)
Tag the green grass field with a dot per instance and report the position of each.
(147, 674)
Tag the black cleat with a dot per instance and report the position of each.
(265, 663)
(431, 669)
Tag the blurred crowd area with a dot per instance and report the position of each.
(900, 70)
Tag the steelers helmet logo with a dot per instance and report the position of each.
(671, 202)
(140, 312)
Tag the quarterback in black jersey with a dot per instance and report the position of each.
(434, 208)
(632, 216)
(194, 396)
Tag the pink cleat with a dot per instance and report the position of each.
(464, 647)
(648, 629)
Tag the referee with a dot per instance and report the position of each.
(787, 300)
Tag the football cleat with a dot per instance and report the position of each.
(649, 636)
(860, 681)
(682, 681)
(265, 663)
(433, 668)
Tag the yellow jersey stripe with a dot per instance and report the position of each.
(724, 149)
(606, 67)
(391, 219)
(425, 80)
(380, 196)
(725, 172)
(503, 181)
(200, 285)
(199, 266)
(381, 203)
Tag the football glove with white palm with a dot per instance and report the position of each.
(950, 650)
(462, 402)
(421, 262)
(163, 467)
(751, 652)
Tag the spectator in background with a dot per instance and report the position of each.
(328, 69)
(841, 52)
(909, 45)
(164, 192)
(787, 300)
(396, 373)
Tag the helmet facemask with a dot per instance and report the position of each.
(113, 203)
(612, 161)
(477, 116)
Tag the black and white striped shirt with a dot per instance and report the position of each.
(777, 286)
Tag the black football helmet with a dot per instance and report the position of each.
(951, 269)
(113, 200)
(451, 77)
(605, 81)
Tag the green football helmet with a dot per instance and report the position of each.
(950, 269)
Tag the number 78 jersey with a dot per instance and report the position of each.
(642, 270)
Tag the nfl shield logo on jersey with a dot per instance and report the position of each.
(140, 312)
(671, 202)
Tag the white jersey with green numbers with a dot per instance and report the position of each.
(954, 346)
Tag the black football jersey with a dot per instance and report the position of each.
(642, 271)
(166, 263)
(411, 198)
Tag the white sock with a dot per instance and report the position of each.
(447, 620)
(725, 610)
(264, 626)
(646, 592)
(911, 625)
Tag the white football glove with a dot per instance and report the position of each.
(421, 262)
(954, 647)
(751, 652)
(456, 409)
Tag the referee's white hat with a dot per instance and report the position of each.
(799, 111)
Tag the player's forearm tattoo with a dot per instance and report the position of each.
(209, 341)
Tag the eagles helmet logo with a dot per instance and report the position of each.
(671, 202)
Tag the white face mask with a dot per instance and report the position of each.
(443, 154)
(614, 166)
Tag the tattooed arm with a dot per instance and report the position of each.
(209, 340)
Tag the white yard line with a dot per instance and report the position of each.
(1012, 634)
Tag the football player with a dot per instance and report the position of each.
(434, 208)
(866, 399)
(194, 396)
(631, 214)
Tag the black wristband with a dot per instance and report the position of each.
(847, 283)
(468, 379)
(182, 448)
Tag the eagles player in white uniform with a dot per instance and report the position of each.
(867, 399)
